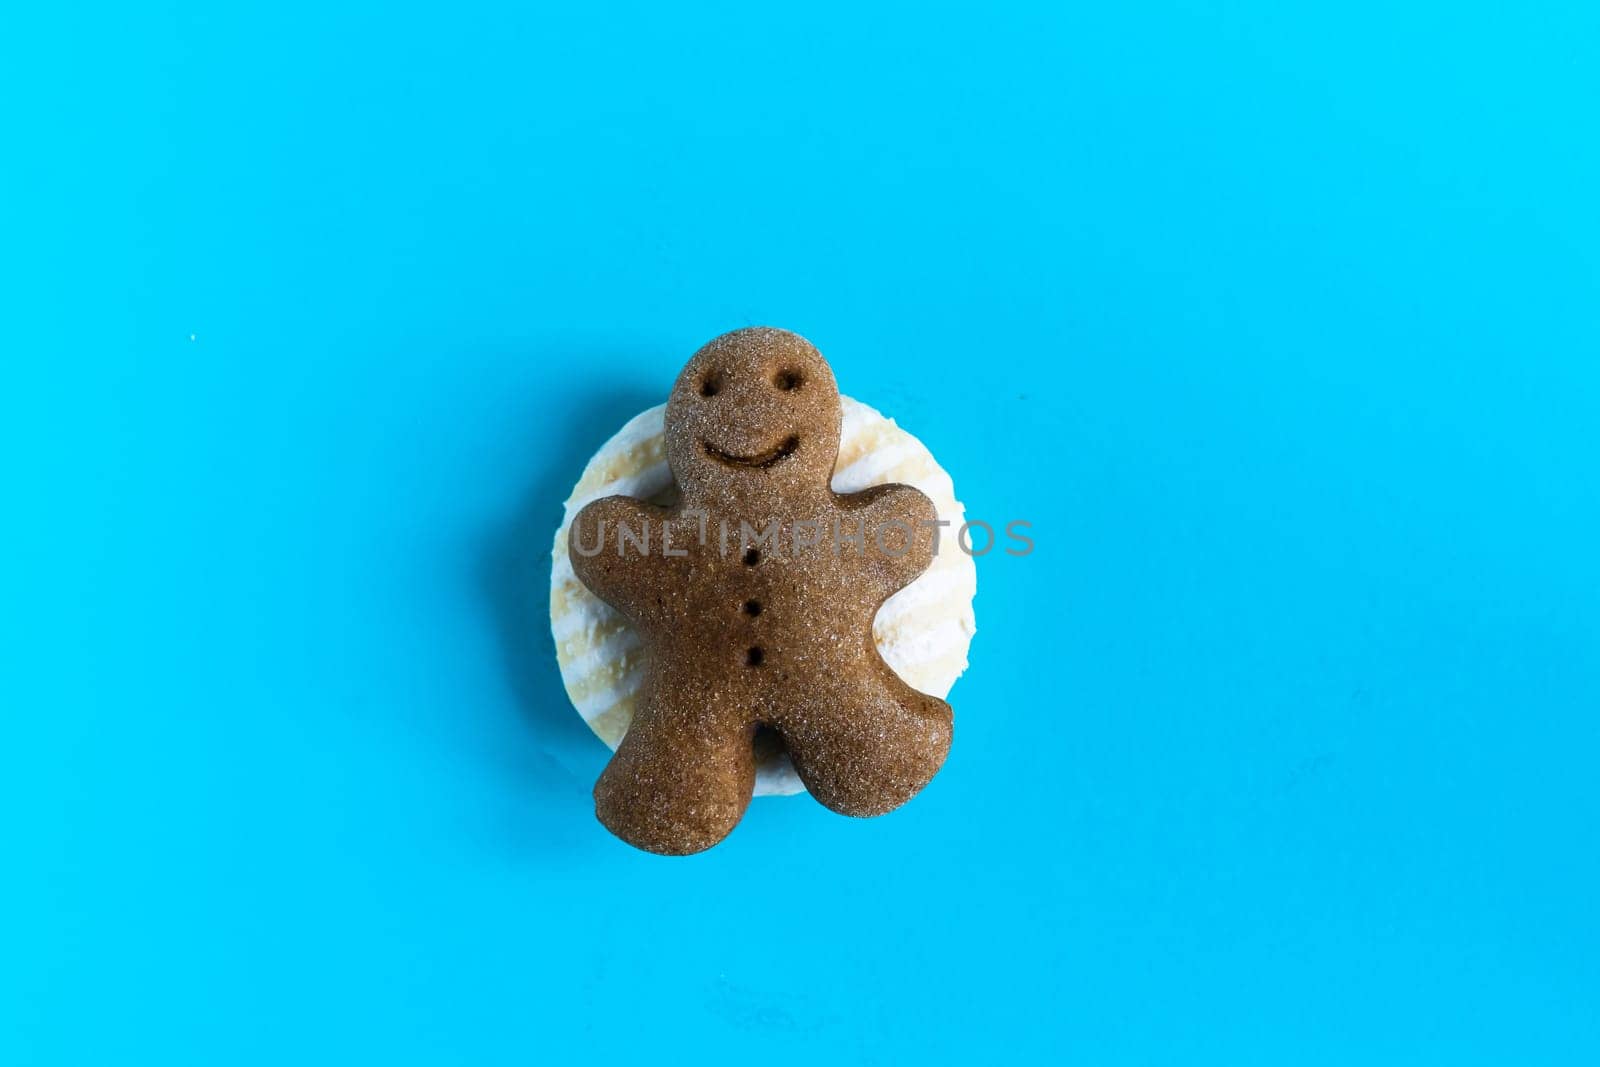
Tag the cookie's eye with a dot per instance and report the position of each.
(787, 380)
(711, 384)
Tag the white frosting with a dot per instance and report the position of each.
(923, 631)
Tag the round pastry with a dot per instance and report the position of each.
(922, 632)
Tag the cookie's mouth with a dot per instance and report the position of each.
(760, 461)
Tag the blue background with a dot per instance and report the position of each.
(1279, 322)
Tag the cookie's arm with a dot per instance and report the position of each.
(612, 544)
(898, 522)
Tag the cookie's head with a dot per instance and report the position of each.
(754, 410)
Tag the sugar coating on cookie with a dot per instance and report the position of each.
(923, 632)
(772, 638)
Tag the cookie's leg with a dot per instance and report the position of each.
(867, 753)
(677, 783)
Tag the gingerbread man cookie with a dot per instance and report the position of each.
(754, 595)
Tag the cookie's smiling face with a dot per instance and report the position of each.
(756, 407)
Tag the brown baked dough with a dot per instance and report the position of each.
(745, 633)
